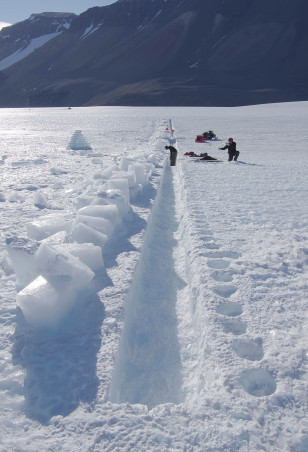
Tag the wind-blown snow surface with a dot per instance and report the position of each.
(192, 332)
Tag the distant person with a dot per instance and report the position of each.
(233, 153)
(173, 154)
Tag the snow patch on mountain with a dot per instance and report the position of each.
(22, 53)
(89, 30)
(4, 24)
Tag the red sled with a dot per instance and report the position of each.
(200, 139)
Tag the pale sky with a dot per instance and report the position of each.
(12, 11)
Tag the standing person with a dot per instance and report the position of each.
(233, 153)
(173, 154)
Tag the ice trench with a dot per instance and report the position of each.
(148, 365)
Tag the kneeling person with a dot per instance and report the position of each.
(231, 146)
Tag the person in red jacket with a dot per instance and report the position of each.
(231, 146)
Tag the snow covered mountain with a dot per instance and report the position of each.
(19, 40)
(167, 52)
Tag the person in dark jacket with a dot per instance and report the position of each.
(173, 154)
(231, 146)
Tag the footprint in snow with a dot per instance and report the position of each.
(218, 264)
(234, 326)
(206, 238)
(230, 309)
(210, 246)
(225, 291)
(201, 220)
(258, 382)
(222, 254)
(249, 349)
(222, 276)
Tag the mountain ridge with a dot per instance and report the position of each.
(188, 52)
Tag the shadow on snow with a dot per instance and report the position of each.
(61, 364)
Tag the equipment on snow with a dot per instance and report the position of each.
(191, 154)
(208, 158)
(209, 135)
(200, 139)
(203, 156)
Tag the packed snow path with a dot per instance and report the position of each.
(201, 300)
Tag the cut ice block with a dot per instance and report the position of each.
(140, 173)
(84, 234)
(119, 184)
(124, 163)
(113, 197)
(99, 224)
(152, 158)
(41, 304)
(62, 269)
(88, 253)
(107, 173)
(21, 252)
(50, 224)
(57, 238)
(110, 212)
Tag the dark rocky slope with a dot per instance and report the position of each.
(168, 52)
